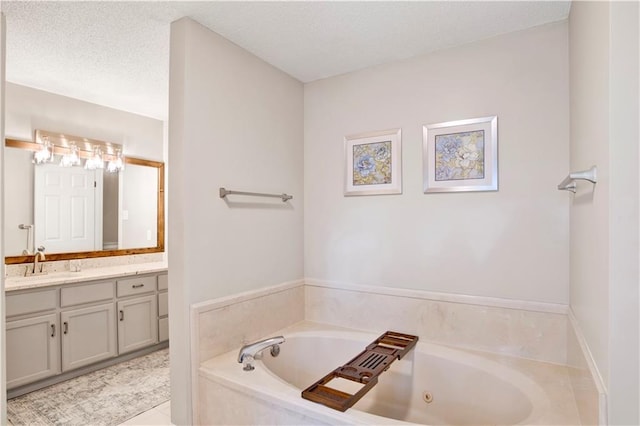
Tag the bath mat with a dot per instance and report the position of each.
(106, 397)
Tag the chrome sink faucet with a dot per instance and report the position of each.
(248, 352)
(38, 268)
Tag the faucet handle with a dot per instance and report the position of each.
(41, 249)
(248, 363)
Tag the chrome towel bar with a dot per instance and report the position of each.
(569, 183)
(224, 192)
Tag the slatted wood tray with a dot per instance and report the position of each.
(364, 368)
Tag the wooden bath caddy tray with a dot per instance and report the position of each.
(364, 368)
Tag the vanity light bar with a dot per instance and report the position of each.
(86, 147)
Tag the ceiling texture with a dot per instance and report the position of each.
(117, 53)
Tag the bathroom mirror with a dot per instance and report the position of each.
(124, 216)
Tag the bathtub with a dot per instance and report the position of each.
(433, 384)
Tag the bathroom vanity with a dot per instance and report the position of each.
(66, 324)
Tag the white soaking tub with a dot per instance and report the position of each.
(462, 387)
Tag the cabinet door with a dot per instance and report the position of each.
(137, 323)
(88, 335)
(32, 350)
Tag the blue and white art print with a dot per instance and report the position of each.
(373, 163)
(461, 155)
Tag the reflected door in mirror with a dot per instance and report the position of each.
(66, 200)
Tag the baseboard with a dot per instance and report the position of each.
(593, 369)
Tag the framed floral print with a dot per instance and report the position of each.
(373, 163)
(461, 155)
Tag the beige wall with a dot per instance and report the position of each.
(235, 122)
(513, 243)
(605, 219)
(3, 387)
(624, 137)
(29, 109)
(589, 53)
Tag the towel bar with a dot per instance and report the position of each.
(569, 183)
(224, 192)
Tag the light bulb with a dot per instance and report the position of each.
(45, 153)
(72, 158)
(116, 165)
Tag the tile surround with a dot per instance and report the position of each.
(224, 324)
(526, 330)
(523, 333)
(235, 412)
(227, 327)
(222, 374)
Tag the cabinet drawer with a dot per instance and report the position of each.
(137, 285)
(163, 282)
(87, 293)
(163, 304)
(163, 329)
(34, 301)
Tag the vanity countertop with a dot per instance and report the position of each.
(67, 277)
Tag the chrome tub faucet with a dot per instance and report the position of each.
(248, 352)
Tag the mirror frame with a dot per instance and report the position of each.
(33, 146)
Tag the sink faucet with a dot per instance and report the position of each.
(248, 352)
(37, 269)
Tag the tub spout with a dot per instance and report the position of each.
(248, 352)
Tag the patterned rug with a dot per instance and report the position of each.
(105, 397)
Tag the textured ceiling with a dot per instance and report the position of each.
(117, 53)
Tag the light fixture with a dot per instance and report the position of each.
(45, 153)
(72, 150)
(117, 164)
(72, 158)
(95, 161)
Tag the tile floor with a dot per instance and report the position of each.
(160, 416)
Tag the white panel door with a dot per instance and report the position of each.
(65, 200)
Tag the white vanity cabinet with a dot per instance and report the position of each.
(137, 323)
(32, 336)
(163, 307)
(53, 332)
(137, 316)
(33, 349)
(88, 332)
(88, 335)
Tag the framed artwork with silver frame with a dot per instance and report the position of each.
(373, 163)
(461, 155)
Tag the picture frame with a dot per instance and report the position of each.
(373, 163)
(460, 156)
